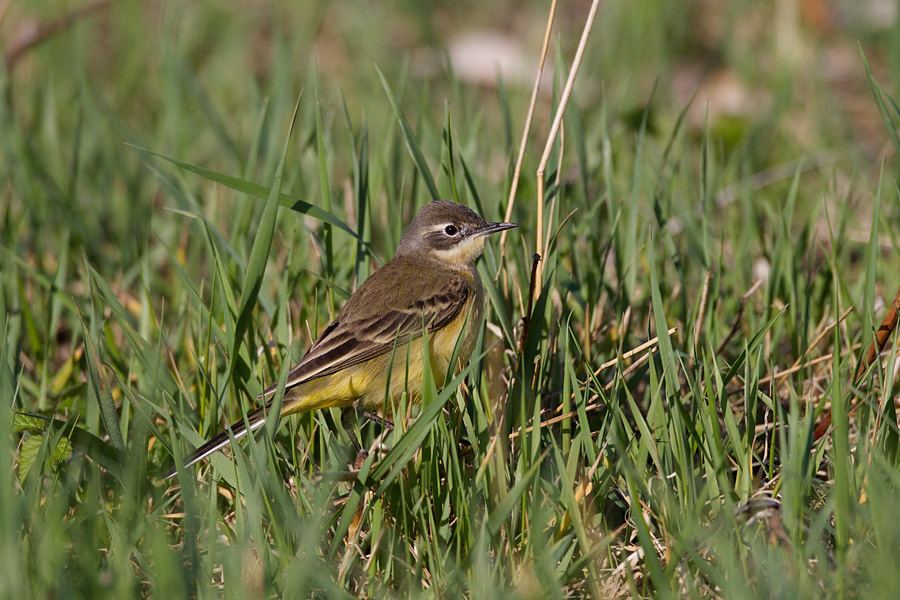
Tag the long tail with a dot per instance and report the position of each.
(236, 431)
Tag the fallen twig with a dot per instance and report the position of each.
(888, 325)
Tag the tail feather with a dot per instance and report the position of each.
(236, 431)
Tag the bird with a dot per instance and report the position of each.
(372, 351)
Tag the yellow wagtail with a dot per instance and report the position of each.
(430, 284)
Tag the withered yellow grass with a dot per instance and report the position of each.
(430, 285)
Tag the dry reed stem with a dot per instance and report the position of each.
(554, 129)
(595, 405)
(524, 143)
(632, 352)
(822, 335)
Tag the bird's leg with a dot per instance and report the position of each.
(454, 420)
(347, 415)
(386, 427)
(376, 419)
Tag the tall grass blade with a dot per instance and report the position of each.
(412, 143)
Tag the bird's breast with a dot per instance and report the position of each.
(464, 329)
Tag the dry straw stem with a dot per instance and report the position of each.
(776, 378)
(798, 365)
(632, 352)
(650, 344)
(528, 120)
(554, 129)
(781, 375)
(557, 120)
(825, 331)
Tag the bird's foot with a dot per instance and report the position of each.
(361, 456)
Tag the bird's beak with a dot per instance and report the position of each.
(495, 227)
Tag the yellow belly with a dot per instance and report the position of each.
(365, 384)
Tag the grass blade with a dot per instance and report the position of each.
(262, 244)
(256, 191)
(411, 142)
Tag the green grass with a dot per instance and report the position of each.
(188, 197)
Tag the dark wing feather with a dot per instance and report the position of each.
(351, 341)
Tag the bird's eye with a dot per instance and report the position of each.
(451, 230)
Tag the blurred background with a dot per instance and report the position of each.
(773, 81)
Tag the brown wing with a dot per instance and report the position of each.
(349, 341)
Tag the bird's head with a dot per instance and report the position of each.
(448, 232)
